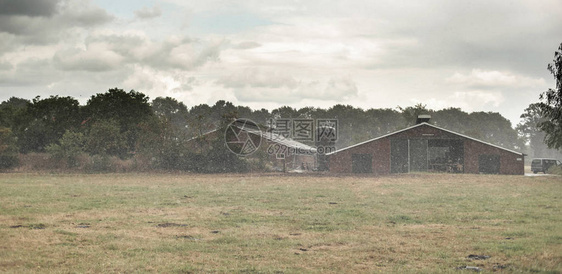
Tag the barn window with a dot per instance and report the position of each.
(489, 164)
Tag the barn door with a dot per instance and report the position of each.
(418, 155)
(399, 156)
(362, 163)
(489, 164)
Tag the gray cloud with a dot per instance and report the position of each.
(148, 13)
(83, 15)
(30, 72)
(86, 60)
(109, 52)
(182, 53)
(474, 34)
(28, 7)
(4, 65)
(68, 15)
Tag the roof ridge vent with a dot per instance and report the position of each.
(423, 118)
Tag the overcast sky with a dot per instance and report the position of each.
(476, 55)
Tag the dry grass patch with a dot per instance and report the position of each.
(290, 224)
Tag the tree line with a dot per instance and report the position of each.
(160, 134)
(128, 126)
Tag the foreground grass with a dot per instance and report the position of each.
(211, 223)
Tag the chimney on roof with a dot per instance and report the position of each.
(424, 118)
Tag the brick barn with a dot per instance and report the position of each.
(425, 148)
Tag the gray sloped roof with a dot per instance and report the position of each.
(276, 138)
(414, 126)
(270, 136)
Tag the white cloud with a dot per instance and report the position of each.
(478, 98)
(478, 78)
(256, 78)
(95, 58)
(295, 91)
(247, 45)
(475, 100)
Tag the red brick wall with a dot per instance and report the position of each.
(340, 162)
(381, 159)
(380, 150)
(508, 160)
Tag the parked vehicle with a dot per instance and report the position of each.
(543, 164)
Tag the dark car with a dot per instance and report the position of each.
(543, 164)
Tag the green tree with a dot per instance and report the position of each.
(383, 121)
(12, 112)
(69, 147)
(218, 159)
(106, 139)
(172, 111)
(492, 127)
(411, 114)
(552, 106)
(200, 120)
(352, 124)
(126, 110)
(452, 119)
(8, 149)
(164, 144)
(46, 120)
(284, 112)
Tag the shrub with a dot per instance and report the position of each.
(98, 163)
(219, 159)
(70, 146)
(35, 161)
(105, 138)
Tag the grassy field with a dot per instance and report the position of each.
(288, 224)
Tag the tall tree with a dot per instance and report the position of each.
(8, 149)
(126, 109)
(452, 118)
(351, 125)
(46, 120)
(200, 120)
(284, 112)
(172, 111)
(552, 106)
(12, 110)
(493, 128)
(14, 115)
(383, 121)
(411, 113)
(529, 130)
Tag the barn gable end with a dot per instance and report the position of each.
(425, 147)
